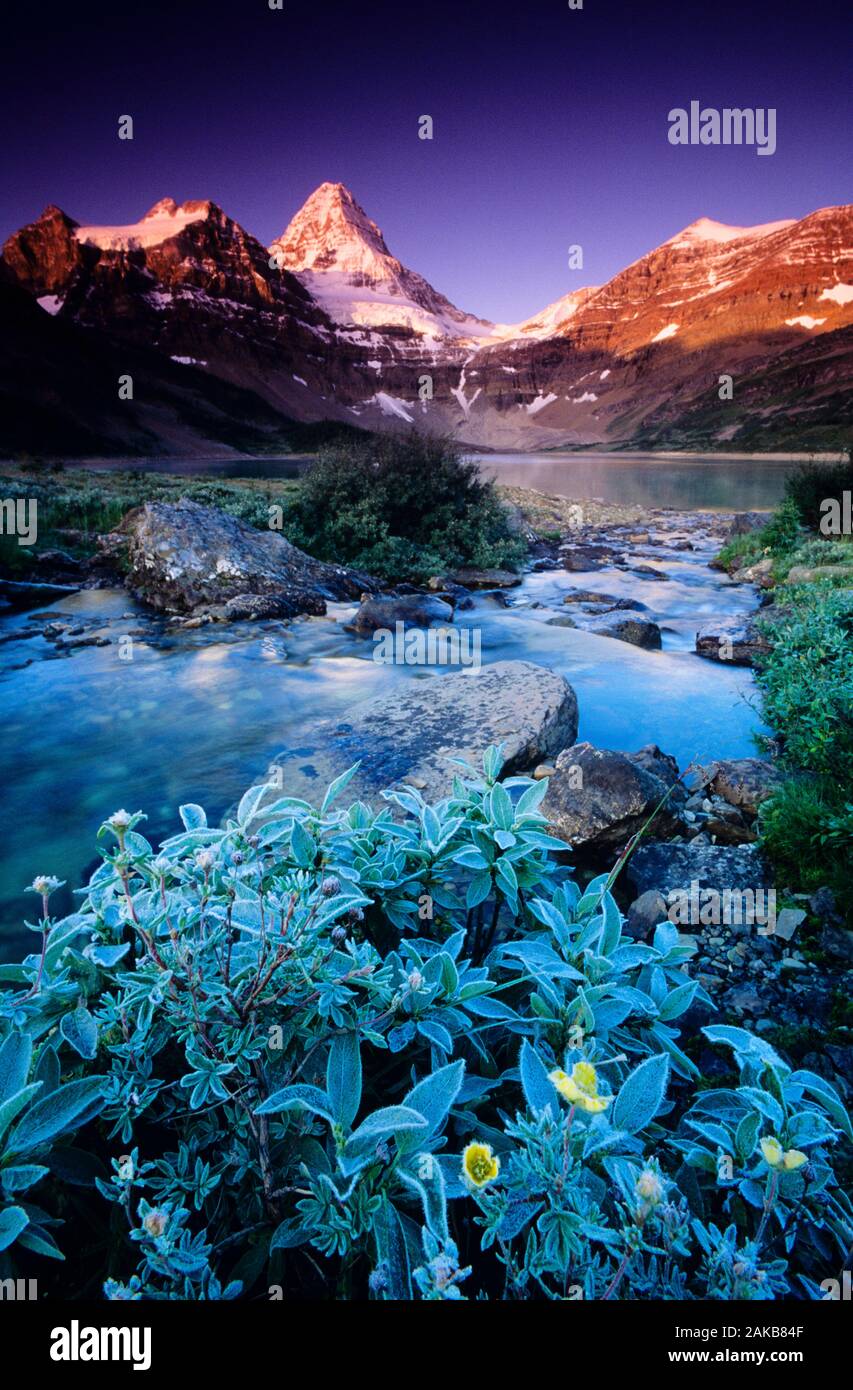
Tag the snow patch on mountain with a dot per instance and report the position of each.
(546, 323)
(390, 405)
(706, 229)
(539, 403)
(341, 257)
(839, 294)
(161, 222)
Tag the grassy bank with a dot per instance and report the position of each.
(403, 508)
(806, 682)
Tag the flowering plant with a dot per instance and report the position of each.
(393, 1053)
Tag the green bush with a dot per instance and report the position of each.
(777, 539)
(390, 1054)
(404, 507)
(806, 682)
(818, 551)
(807, 829)
(812, 484)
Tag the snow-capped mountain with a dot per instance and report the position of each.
(327, 324)
(342, 259)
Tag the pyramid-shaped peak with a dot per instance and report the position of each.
(331, 230)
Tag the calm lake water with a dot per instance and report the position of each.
(199, 715)
(651, 480)
(654, 480)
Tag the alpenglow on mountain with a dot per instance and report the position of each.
(231, 338)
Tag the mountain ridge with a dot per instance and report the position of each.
(326, 323)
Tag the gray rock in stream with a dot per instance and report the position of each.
(640, 632)
(181, 557)
(384, 611)
(598, 798)
(732, 641)
(412, 736)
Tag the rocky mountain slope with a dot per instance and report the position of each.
(327, 324)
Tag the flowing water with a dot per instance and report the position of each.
(199, 715)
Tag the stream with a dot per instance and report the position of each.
(198, 715)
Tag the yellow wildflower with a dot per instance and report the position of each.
(777, 1157)
(479, 1165)
(794, 1158)
(772, 1152)
(581, 1088)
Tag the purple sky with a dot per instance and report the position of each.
(550, 123)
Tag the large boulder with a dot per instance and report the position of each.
(744, 522)
(814, 574)
(597, 798)
(760, 574)
(180, 557)
(412, 736)
(669, 867)
(412, 610)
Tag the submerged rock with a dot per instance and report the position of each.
(456, 594)
(483, 579)
(413, 735)
(640, 632)
(181, 556)
(252, 607)
(590, 596)
(413, 610)
(648, 572)
(580, 558)
(26, 593)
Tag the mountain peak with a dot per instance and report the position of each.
(164, 220)
(331, 231)
(708, 230)
(342, 259)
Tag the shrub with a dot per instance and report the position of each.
(807, 829)
(777, 539)
(404, 507)
(805, 681)
(305, 1047)
(816, 552)
(813, 484)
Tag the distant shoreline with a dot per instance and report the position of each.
(184, 462)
